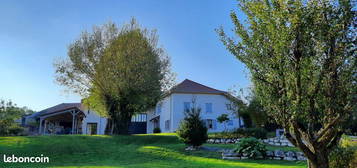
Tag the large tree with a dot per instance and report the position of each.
(302, 60)
(119, 71)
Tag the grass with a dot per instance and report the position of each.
(147, 151)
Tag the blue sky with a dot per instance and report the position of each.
(35, 33)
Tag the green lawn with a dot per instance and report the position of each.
(151, 151)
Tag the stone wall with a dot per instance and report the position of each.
(276, 155)
(277, 141)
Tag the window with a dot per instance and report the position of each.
(167, 124)
(208, 107)
(138, 118)
(229, 106)
(187, 106)
(210, 124)
(230, 122)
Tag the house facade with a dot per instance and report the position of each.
(75, 118)
(169, 112)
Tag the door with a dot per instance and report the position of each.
(91, 128)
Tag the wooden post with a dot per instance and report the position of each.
(40, 128)
(45, 127)
(73, 117)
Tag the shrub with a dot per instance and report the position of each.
(16, 130)
(157, 130)
(259, 133)
(224, 134)
(251, 147)
(345, 154)
(341, 157)
(192, 130)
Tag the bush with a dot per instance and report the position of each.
(251, 147)
(344, 155)
(16, 130)
(192, 130)
(157, 130)
(219, 135)
(259, 133)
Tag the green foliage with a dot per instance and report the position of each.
(351, 125)
(15, 130)
(259, 133)
(224, 134)
(9, 112)
(251, 147)
(192, 130)
(118, 70)
(302, 60)
(157, 130)
(223, 118)
(257, 112)
(344, 155)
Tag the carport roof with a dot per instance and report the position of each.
(58, 108)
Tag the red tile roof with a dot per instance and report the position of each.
(188, 86)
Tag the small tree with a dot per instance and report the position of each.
(192, 130)
(223, 118)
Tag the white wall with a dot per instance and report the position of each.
(173, 110)
(93, 117)
(218, 107)
(149, 124)
(164, 115)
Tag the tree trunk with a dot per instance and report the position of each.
(121, 126)
(122, 121)
(320, 160)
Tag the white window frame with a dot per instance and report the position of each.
(211, 107)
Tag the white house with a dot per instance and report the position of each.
(169, 112)
(74, 118)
